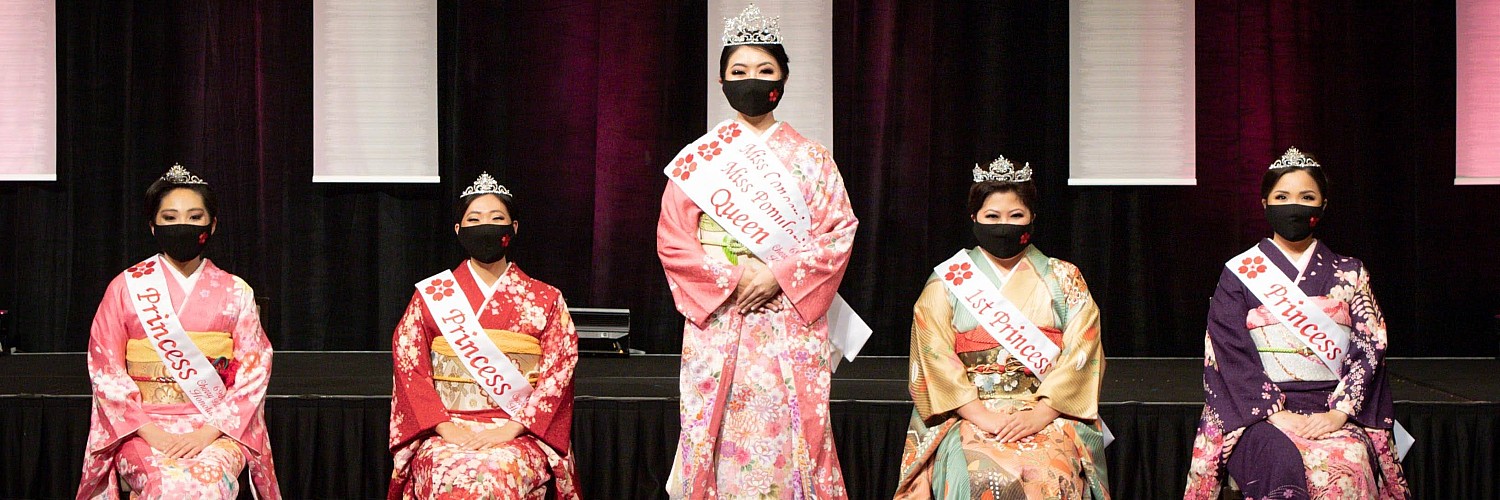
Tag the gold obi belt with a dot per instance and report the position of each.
(521, 348)
(997, 380)
(715, 239)
(456, 386)
(157, 386)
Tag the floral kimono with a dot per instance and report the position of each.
(755, 386)
(132, 387)
(527, 320)
(954, 361)
(1254, 366)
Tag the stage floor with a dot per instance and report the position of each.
(328, 416)
(870, 379)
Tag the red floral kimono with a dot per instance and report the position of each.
(755, 387)
(528, 320)
(132, 388)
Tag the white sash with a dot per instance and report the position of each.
(490, 368)
(997, 316)
(1290, 306)
(740, 183)
(147, 284)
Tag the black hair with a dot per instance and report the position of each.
(464, 202)
(775, 49)
(980, 191)
(1274, 175)
(162, 187)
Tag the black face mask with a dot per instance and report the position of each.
(487, 243)
(1293, 222)
(1003, 240)
(753, 96)
(182, 242)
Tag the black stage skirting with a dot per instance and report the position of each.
(328, 416)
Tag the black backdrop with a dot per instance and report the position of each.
(576, 104)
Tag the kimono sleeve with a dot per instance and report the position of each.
(1072, 388)
(416, 408)
(117, 398)
(1363, 387)
(939, 383)
(1237, 387)
(252, 370)
(699, 284)
(549, 412)
(810, 278)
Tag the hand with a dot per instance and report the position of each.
(1026, 423)
(155, 437)
(757, 286)
(191, 444)
(490, 438)
(453, 433)
(1288, 422)
(1320, 425)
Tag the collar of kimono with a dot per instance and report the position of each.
(1291, 307)
(456, 318)
(146, 283)
(997, 316)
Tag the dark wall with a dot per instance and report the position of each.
(576, 105)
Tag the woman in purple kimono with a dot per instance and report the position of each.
(1298, 405)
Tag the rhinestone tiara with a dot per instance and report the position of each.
(1002, 170)
(750, 27)
(1294, 158)
(485, 185)
(179, 175)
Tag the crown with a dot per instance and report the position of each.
(1002, 170)
(179, 175)
(1294, 158)
(485, 185)
(749, 27)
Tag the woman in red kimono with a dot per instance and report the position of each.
(147, 432)
(451, 437)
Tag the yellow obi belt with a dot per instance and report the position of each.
(509, 342)
(149, 373)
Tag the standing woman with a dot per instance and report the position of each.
(1006, 363)
(754, 235)
(484, 356)
(179, 366)
(1298, 405)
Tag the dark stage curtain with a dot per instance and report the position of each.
(575, 105)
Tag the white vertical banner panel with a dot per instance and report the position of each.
(807, 35)
(375, 116)
(28, 90)
(1131, 92)
(1478, 127)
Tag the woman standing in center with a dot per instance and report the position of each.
(754, 236)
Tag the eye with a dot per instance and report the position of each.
(1308, 197)
(766, 71)
(737, 72)
(472, 219)
(168, 218)
(1279, 197)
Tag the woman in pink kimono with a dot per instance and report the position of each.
(756, 351)
(160, 322)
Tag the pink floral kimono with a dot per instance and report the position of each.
(755, 387)
(132, 387)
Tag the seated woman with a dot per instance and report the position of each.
(173, 321)
(1005, 364)
(484, 357)
(1298, 405)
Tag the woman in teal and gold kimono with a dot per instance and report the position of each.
(985, 425)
